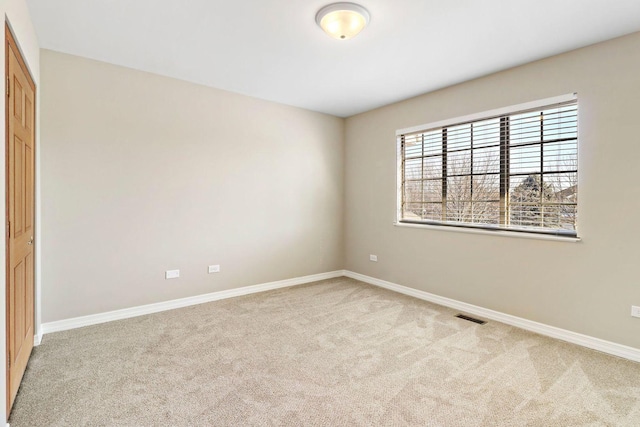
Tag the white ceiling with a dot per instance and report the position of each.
(272, 49)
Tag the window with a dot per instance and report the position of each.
(513, 169)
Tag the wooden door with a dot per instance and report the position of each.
(20, 215)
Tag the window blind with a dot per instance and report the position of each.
(517, 170)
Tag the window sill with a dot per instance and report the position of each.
(500, 233)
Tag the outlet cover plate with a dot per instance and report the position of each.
(172, 274)
(373, 258)
(635, 311)
(214, 269)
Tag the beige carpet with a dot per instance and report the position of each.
(332, 353)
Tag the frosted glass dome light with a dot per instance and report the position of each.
(342, 21)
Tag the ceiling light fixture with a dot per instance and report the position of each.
(342, 21)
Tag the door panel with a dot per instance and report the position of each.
(28, 188)
(17, 99)
(18, 185)
(18, 303)
(20, 217)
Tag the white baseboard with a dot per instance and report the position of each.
(609, 347)
(94, 319)
(37, 339)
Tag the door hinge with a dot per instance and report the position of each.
(8, 228)
(8, 86)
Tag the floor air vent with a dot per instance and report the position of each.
(471, 319)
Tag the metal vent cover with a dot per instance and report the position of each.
(471, 319)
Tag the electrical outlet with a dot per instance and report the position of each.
(214, 269)
(635, 311)
(172, 274)
(373, 258)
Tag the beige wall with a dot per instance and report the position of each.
(141, 174)
(586, 287)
